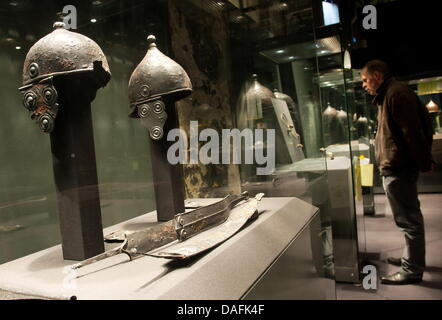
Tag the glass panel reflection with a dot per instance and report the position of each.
(253, 65)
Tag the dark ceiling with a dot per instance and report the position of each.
(408, 38)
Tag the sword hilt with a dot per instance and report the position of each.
(102, 256)
(259, 196)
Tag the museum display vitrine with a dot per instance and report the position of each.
(252, 112)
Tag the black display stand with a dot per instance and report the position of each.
(368, 201)
(167, 178)
(75, 172)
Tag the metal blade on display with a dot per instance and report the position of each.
(181, 228)
(143, 241)
(191, 223)
(138, 242)
(211, 238)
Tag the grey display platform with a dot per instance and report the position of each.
(238, 268)
(343, 150)
(339, 177)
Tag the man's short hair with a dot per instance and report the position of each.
(377, 66)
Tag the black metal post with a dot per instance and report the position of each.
(368, 201)
(167, 178)
(75, 172)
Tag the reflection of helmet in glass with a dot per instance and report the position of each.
(282, 96)
(341, 115)
(258, 98)
(362, 120)
(330, 111)
(59, 53)
(155, 79)
(258, 91)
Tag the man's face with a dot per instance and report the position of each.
(371, 81)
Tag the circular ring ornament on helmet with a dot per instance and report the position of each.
(30, 100)
(46, 123)
(50, 96)
(145, 91)
(144, 111)
(156, 133)
(33, 70)
(158, 107)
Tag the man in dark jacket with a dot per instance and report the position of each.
(403, 149)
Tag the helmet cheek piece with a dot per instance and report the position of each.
(153, 117)
(41, 101)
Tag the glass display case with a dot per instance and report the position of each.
(277, 91)
(271, 111)
(298, 88)
(346, 140)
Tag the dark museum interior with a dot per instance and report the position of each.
(220, 150)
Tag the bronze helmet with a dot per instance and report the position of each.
(60, 53)
(157, 78)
